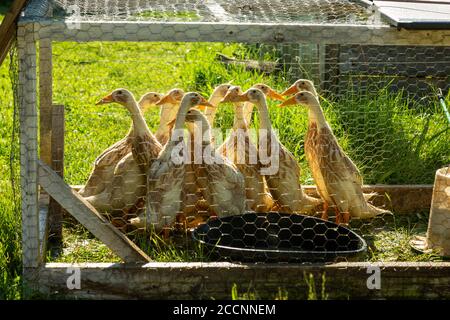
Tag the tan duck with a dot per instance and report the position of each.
(124, 190)
(269, 93)
(105, 164)
(219, 92)
(167, 175)
(280, 168)
(244, 154)
(338, 180)
(170, 104)
(220, 182)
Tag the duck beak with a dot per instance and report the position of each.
(171, 123)
(204, 103)
(290, 91)
(275, 95)
(166, 99)
(289, 102)
(105, 100)
(234, 98)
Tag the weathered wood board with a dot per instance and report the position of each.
(81, 210)
(398, 280)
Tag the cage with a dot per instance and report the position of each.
(377, 80)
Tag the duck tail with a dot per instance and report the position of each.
(374, 211)
(368, 196)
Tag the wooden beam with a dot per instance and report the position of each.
(9, 26)
(268, 33)
(400, 199)
(81, 210)
(57, 164)
(399, 280)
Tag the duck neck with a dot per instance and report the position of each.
(139, 124)
(248, 110)
(316, 116)
(181, 115)
(168, 113)
(240, 121)
(264, 115)
(210, 113)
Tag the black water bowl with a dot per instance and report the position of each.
(278, 237)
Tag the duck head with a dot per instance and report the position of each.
(304, 98)
(121, 96)
(268, 91)
(300, 85)
(149, 99)
(174, 97)
(252, 95)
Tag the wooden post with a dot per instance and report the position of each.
(28, 155)
(45, 99)
(55, 213)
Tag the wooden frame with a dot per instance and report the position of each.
(188, 280)
(215, 280)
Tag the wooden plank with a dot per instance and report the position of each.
(268, 33)
(81, 210)
(9, 26)
(399, 280)
(57, 164)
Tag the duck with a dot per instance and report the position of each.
(102, 173)
(219, 180)
(166, 178)
(268, 92)
(218, 93)
(338, 180)
(169, 103)
(128, 183)
(241, 151)
(279, 167)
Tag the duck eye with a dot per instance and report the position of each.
(119, 92)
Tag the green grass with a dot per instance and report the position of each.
(391, 139)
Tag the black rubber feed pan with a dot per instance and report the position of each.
(278, 237)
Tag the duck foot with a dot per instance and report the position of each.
(325, 211)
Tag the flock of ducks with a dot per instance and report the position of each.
(143, 180)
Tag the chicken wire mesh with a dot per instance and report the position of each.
(260, 11)
(379, 101)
